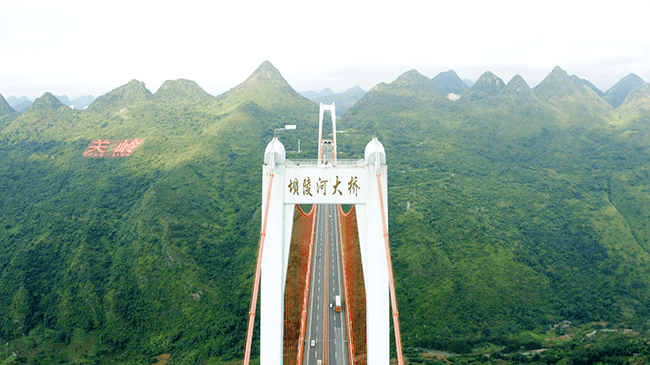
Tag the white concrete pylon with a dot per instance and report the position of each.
(275, 254)
(373, 256)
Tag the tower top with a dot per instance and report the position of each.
(326, 148)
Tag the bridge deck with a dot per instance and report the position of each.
(326, 336)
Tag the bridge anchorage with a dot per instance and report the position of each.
(334, 306)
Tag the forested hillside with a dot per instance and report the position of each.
(517, 208)
(511, 209)
(151, 253)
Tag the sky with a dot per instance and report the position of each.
(76, 48)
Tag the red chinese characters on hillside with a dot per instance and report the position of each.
(107, 148)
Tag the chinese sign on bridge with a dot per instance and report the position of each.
(111, 147)
(321, 186)
(331, 185)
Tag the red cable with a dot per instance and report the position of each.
(393, 299)
(256, 283)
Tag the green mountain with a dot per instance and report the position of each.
(574, 100)
(579, 81)
(46, 117)
(410, 90)
(47, 102)
(270, 90)
(509, 213)
(449, 82)
(181, 91)
(633, 116)
(527, 115)
(517, 88)
(7, 113)
(517, 91)
(114, 101)
(591, 92)
(486, 87)
(616, 95)
(637, 100)
(556, 84)
(412, 82)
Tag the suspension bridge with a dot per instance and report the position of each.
(325, 276)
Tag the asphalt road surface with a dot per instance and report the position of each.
(326, 328)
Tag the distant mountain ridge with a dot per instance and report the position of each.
(82, 102)
(23, 103)
(13, 101)
(19, 104)
(342, 100)
(327, 92)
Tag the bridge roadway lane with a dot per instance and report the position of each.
(326, 283)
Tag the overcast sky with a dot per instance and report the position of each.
(88, 47)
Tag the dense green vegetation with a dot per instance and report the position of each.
(589, 343)
(152, 253)
(510, 210)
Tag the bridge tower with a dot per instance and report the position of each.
(326, 181)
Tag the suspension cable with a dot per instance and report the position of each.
(393, 299)
(256, 283)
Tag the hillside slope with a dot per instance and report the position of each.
(149, 254)
(506, 213)
(7, 113)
